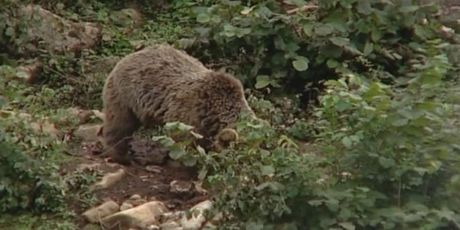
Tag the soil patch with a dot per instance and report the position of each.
(151, 182)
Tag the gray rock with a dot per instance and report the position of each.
(136, 200)
(154, 168)
(171, 225)
(126, 206)
(109, 179)
(198, 218)
(57, 33)
(181, 187)
(29, 73)
(88, 132)
(148, 152)
(94, 215)
(128, 17)
(138, 217)
(153, 227)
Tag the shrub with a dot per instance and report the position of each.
(268, 45)
(384, 152)
(27, 183)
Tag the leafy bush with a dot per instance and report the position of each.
(377, 162)
(385, 150)
(27, 183)
(270, 45)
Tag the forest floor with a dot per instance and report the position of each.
(82, 68)
(150, 182)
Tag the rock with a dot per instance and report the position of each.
(100, 67)
(109, 179)
(126, 206)
(181, 187)
(47, 128)
(135, 197)
(91, 148)
(85, 115)
(91, 167)
(91, 227)
(29, 73)
(154, 168)
(153, 227)
(94, 215)
(88, 132)
(127, 17)
(135, 200)
(148, 152)
(197, 219)
(172, 225)
(171, 216)
(139, 217)
(99, 114)
(199, 188)
(56, 33)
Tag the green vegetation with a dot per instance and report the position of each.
(358, 100)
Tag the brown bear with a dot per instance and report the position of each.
(160, 84)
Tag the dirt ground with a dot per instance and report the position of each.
(151, 181)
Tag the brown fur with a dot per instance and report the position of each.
(161, 84)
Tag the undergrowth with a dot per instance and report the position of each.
(377, 146)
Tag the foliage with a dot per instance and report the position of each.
(379, 150)
(13, 222)
(269, 45)
(399, 142)
(27, 183)
(384, 151)
(368, 169)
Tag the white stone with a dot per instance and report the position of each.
(138, 217)
(94, 215)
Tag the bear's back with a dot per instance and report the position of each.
(156, 65)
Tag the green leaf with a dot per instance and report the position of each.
(339, 41)
(400, 122)
(308, 29)
(22, 74)
(347, 225)
(176, 152)
(254, 226)
(267, 170)
(300, 63)
(202, 174)
(409, 9)
(331, 63)
(247, 10)
(241, 32)
(324, 29)
(364, 7)
(347, 142)
(368, 48)
(296, 2)
(332, 205)
(315, 203)
(2, 102)
(262, 81)
(386, 162)
(9, 32)
(342, 105)
(189, 160)
(229, 30)
(203, 18)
